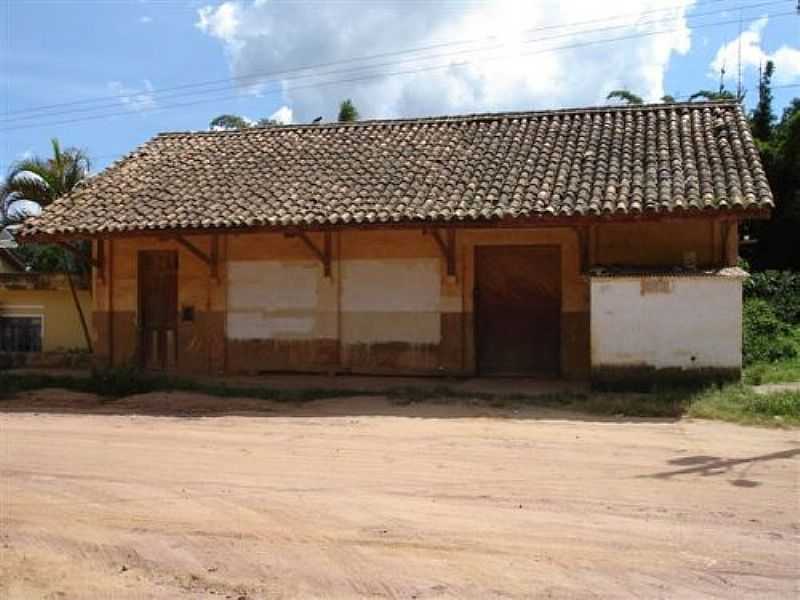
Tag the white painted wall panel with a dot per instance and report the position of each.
(259, 289)
(686, 322)
(391, 285)
(391, 300)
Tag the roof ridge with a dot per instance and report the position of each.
(486, 116)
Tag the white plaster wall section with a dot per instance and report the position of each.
(400, 287)
(686, 322)
(259, 289)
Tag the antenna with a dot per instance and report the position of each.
(739, 95)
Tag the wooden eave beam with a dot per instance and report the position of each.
(324, 254)
(527, 223)
(447, 245)
(97, 264)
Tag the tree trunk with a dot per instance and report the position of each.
(80, 312)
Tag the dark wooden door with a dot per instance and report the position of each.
(518, 310)
(158, 308)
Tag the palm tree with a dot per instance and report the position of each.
(712, 95)
(42, 180)
(39, 181)
(625, 95)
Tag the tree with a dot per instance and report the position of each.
(667, 99)
(711, 95)
(780, 155)
(626, 96)
(348, 113)
(42, 180)
(762, 118)
(226, 122)
(233, 122)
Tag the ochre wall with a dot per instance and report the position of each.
(387, 307)
(62, 326)
(659, 244)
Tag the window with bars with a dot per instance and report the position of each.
(20, 334)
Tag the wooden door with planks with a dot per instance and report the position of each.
(518, 310)
(158, 309)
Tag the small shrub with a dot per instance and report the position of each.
(766, 337)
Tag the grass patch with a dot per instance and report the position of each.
(785, 371)
(741, 404)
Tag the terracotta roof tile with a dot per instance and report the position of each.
(670, 158)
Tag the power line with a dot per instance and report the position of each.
(382, 75)
(256, 77)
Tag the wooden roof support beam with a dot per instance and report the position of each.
(82, 256)
(324, 255)
(193, 249)
(212, 261)
(447, 245)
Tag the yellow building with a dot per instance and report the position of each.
(38, 316)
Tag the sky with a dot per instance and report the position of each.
(106, 75)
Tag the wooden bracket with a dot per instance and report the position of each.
(80, 255)
(212, 261)
(584, 242)
(101, 260)
(323, 255)
(447, 245)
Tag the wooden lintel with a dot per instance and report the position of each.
(447, 245)
(324, 255)
(80, 255)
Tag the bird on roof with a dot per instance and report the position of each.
(317, 120)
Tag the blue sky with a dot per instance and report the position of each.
(109, 67)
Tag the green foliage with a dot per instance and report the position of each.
(668, 99)
(762, 118)
(626, 96)
(766, 337)
(348, 113)
(785, 371)
(742, 404)
(229, 122)
(712, 95)
(42, 180)
(781, 289)
(233, 122)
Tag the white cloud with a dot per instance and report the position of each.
(786, 58)
(283, 115)
(145, 20)
(135, 100)
(221, 22)
(509, 71)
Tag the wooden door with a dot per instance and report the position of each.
(518, 310)
(158, 308)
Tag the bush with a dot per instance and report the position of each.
(781, 289)
(767, 338)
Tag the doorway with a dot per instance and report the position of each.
(158, 309)
(518, 310)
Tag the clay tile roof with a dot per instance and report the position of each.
(608, 161)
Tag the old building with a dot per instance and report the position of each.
(568, 243)
(39, 322)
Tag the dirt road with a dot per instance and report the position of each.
(362, 498)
